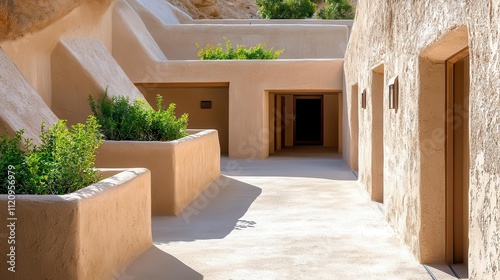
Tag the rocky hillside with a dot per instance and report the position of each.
(227, 9)
(224, 9)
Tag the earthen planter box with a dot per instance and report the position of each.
(180, 169)
(89, 234)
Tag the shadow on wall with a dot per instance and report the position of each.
(214, 214)
(156, 264)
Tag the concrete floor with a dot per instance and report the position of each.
(296, 215)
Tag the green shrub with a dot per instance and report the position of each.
(259, 51)
(286, 9)
(121, 119)
(336, 9)
(61, 164)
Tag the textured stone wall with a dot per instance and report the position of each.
(413, 39)
(484, 178)
(224, 9)
(18, 17)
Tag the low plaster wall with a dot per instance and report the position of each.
(347, 23)
(300, 41)
(180, 169)
(88, 234)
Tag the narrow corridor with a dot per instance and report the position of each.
(287, 217)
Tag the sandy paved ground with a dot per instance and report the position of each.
(283, 218)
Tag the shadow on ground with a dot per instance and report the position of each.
(445, 271)
(156, 264)
(212, 215)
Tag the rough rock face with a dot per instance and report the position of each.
(412, 39)
(18, 17)
(227, 9)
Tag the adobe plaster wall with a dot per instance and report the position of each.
(89, 234)
(331, 120)
(17, 99)
(180, 169)
(17, 18)
(29, 32)
(187, 98)
(484, 196)
(68, 59)
(32, 52)
(247, 135)
(83, 67)
(298, 40)
(413, 41)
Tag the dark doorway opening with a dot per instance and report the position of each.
(308, 120)
(283, 121)
(457, 165)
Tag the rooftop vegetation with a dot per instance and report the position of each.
(210, 52)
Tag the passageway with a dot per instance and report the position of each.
(297, 215)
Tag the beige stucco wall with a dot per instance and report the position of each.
(331, 130)
(17, 18)
(180, 169)
(299, 40)
(247, 135)
(413, 41)
(32, 52)
(289, 121)
(26, 59)
(371, 154)
(17, 99)
(484, 219)
(187, 98)
(83, 67)
(350, 124)
(68, 60)
(88, 234)
(272, 119)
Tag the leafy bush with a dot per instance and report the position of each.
(336, 9)
(61, 164)
(210, 52)
(286, 9)
(121, 119)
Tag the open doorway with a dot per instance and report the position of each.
(353, 120)
(457, 160)
(308, 121)
(377, 156)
